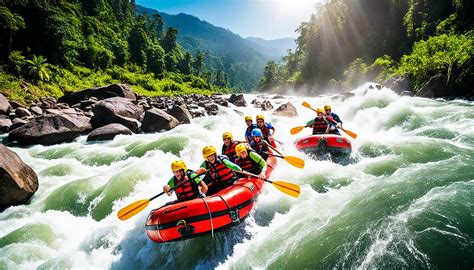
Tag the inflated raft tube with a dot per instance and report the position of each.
(203, 216)
(324, 144)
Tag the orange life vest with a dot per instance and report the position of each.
(187, 191)
(219, 172)
(230, 151)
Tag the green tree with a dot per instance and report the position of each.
(17, 62)
(270, 75)
(138, 45)
(38, 68)
(171, 62)
(10, 23)
(169, 41)
(156, 59)
(198, 63)
(185, 66)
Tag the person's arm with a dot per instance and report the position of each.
(202, 168)
(203, 187)
(231, 165)
(261, 162)
(271, 128)
(169, 186)
(310, 122)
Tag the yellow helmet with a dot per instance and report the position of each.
(178, 165)
(227, 135)
(320, 110)
(248, 118)
(208, 151)
(327, 107)
(260, 116)
(240, 148)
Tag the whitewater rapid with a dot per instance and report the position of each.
(405, 201)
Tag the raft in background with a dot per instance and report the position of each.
(320, 146)
(203, 216)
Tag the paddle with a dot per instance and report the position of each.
(285, 187)
(297, 130)
(138, 206)
(295, 161)
(348, 132)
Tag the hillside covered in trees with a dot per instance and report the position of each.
(51, 47)
(347, 42)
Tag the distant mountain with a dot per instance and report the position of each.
(274, 47)
(242, 60)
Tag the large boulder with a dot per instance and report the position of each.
(18, 181)
(108, 132)
(36, 110)
(5, 106)
(156, 120)
(22, 112)
(181, 113)
(103, 92)
(286, 109)
(50, 129)
(238, 100)
(435, 87)
(5, 124)
(117, 110)
(266, 105)
(398, 84)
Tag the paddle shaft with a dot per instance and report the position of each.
(254, 175)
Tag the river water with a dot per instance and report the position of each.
(405, 201)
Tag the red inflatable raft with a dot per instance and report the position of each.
(202, 216)
(337, 146)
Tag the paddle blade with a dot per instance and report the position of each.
(350, 133)
(295, 161)
(132, 209)
(287, 188)
(296, 130)
(306, 104)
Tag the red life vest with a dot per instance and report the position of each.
(219, 172)
(189, 190)
(319, 126)
(247, 164)
(230, 151)
(265, 131)
(261, 148)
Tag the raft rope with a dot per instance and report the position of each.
(210, 217)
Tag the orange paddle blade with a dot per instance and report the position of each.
(288, 188)
(132, 209)
(307, 105)
(296, 130)
(295, 161)
(350, 133)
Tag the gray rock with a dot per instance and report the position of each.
(278, 97)
(15, 104)
(181, 113)
(266, 105)
(108, 132)
(103, 92)
(211, 107)
(5, 125)
(50, 129)
(156, 120)
(407, 93)
(435, 87)
(5, 106)
(48, 103)
(399, 84)
(36, 110)
(238, 100)
(18, 181)
(286, 109)
(22, 112)
(117, 110)
(17, 122)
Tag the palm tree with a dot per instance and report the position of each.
(38, 68)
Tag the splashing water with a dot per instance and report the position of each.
(407, 201)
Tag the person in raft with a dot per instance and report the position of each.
(327, 110)
(258, 144)
(190, 189)
(250, 127)
(250, 161)
(220, 170)
(321, 125)
(228, 148)
(267, 129)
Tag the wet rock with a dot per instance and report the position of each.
(117, 110)
(22, 112)
(211, 107)
(18, 181)
(266, 105)
(50, 129)
(222, 102)
(36, 110)
(238, 100)
(278, 97)
(399, 84)
(15, 104)
(407, 93)
(5, 125)
(198, 113)
(17, 122)
(103, 92)
(108, 132)
(156, 120)
(48, 103)
(435, 87)
(5, 106)
(181, 113)
(286, 109)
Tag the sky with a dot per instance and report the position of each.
(269, 19)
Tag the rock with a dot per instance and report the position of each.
(48, 103)
(5, 125)
(117, 110)
(211, 107)
(254, 101)
(198, 113)
(36, 110)
(157, 120)
(181, 113)
(407, 93)
(22, 112)
(278, 97)
(286, 109)
(108, 132)
(371, 87)
(435, 87)
(266, 105)
(399, 84)
(18, 181)
(50, 129)
(62, 106)
(15, 104)
(103, 92)
(17, 122)
(238, 100)
(378, 86)
(222, 102)
(5, 106)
